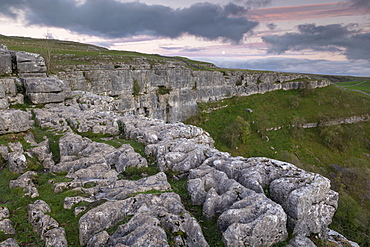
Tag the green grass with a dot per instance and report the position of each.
(361, 84)
(340, 153)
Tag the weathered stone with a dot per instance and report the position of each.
(25, 181)
(9, 86)
(253, 221)
(308, 201)
(12, 121)
(55, 237)
(15, 147)
(10, 242)
(30, 64)
(17, 162)
(167, 208)
(121, 189)
(5, 60)
(41, 90)
(146, 226)
(7, 226)
(71, 144)
(99, 239)
(68, 202)
(47, 227)
(340, 240)
(4, 152)
(299, 241)
(4, 213)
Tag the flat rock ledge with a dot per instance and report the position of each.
(245, 195)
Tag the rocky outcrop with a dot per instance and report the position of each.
(12, 121)
(233, 187)
(169, 90)
(5, 60)
(43, 224)
(151, 216)
(10, 242)
(255, 201)
(29, 64)
(41, 90)
(6, 225)
(25, 181)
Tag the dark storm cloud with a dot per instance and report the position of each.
(112, 19)
(332, 38)
(360, 4)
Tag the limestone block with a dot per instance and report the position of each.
(156, 213)
(30, 64)
(10, 242)
(17, 162)
(12, 121)
(5, 60)
(25, 181)
(6, 226)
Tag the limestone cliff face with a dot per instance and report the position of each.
(170, 90)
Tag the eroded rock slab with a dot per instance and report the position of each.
(47, 227)
(14, 121)
(148, 210)
(25, 181)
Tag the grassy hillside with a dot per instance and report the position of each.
(58, 53)
(340, 152)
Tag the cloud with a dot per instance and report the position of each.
(113, 19)
(297, 65)
(360, 4)
(345, 39)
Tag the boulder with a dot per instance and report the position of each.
(300, 240)
(13, 121)
(148, 210)
(47, 227)
(17, 162)
(10, 242)
(244, 213)
(42, 90)
(30, 64)
(5, 60)
(25, 181)
(7, 227)
(4, 213)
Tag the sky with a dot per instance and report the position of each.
(303, 36)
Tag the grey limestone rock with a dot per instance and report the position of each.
(30, 64)
(55, 237)
(5, 60)
(300, 240)
(47, 227)
(41, 90)
(340, 240)
(71, 144)
(17, 162)
(99, 239)
(121, 189)
(166, 208)
(10, 242)
(4, 213)
(12, 121)
(306, 197)
(4, 151)
(25, 181)
(42, 152)
(244, 213)
(7, 227)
